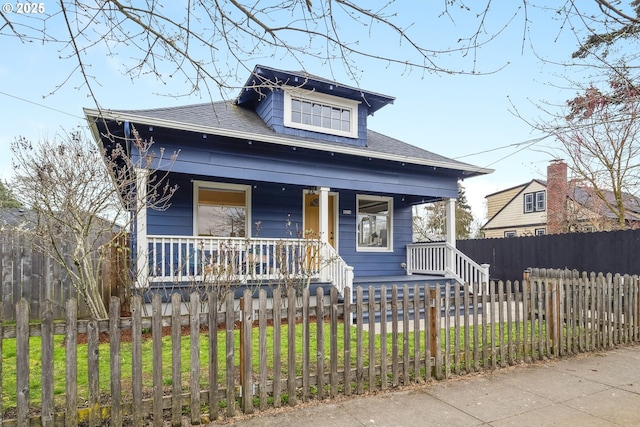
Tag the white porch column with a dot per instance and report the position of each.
(323, 229)
(142, 246)
(450, 214)
(323, 207)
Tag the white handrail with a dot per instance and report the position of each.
(337, 270)
(431, 258)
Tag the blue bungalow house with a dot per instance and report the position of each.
(285, 181)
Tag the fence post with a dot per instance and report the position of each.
(1, 340)
(71, 363)
(246, 321)
(22, 361)
(229, 361)
(47, 364)
(194, 344)
(432, 324)
(554, 287)
(114, 361)
(241, 349)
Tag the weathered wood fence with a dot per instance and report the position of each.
(31, 275)
(294, 348)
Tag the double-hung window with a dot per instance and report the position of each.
(541, 202)
(375, 223)
(535, 202)
(221, 210)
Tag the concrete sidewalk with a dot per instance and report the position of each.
(595, 389)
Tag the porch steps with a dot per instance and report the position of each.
(389, 282)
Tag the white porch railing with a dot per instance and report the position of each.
(440, 258)
(199, 259)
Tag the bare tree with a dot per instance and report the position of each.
(207, 43)
(585, 211)
(616, 25)
(599, 134)
(81, 198)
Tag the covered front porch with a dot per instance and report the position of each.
(205, 260)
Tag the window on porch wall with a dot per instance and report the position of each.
(374, 223)
(221, 212)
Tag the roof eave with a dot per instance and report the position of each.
(468, 171)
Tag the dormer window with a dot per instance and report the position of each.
(535, 202)
(320, 113)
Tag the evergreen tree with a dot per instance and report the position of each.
(429, 221)
(7, 199)
(464, 216)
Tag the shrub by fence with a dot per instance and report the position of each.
(251, 355)
(31, 275)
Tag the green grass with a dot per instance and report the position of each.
(9, 358)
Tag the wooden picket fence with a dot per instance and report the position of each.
(290, 348)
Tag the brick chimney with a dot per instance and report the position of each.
(557, 192)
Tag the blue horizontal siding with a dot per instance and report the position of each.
(274, 206)
(374, 263)
(267, 162)
(279, 211)
(177, 219)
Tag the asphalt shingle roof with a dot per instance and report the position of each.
(228, 116)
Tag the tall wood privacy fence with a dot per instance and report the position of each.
(254, 354)
(31, 275)
(600, 251)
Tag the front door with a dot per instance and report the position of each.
(312, 216)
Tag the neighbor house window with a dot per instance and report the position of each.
(509, 234)
(541, 202)
(320, 113)
(535, 202)
(375, 222)
(221, 210)
(541, 231)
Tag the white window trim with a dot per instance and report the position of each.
(325, 99)
(222, 186)
(389, 247)
(544, 201)
(533, 202)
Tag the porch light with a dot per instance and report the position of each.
(204, 136)
(150, 128)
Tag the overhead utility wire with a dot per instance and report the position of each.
(535, 141)
(41, 105)
(529, 143)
